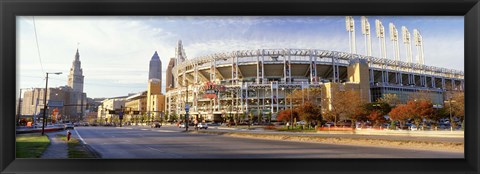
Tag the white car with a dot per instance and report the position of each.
(69, 126)
(181, 125)
(202, 126)
(301, 122)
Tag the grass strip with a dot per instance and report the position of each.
(31, 145)
(405, 144)
(75, 148)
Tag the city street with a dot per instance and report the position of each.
(171, 142)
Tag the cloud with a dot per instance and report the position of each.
(115, 51)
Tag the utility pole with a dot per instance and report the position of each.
(291, 111)
(45, 101)
(19, 107)
(187, 108)
(451, 119)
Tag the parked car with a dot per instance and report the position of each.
(329, 124)
(413, 127)
(181, 125)
(69, 126)
(156, 125)
(202, 126)
(214, 124)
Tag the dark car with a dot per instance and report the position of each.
(156, 125)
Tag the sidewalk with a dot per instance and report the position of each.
(57, 147)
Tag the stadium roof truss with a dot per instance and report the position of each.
(274, 54)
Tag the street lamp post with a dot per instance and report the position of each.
(45, 101)
(450, 110)
(451, 119)
(291, 111)
(186, 107)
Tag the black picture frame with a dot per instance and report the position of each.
(470, 9)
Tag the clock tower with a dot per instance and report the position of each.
(75, 78)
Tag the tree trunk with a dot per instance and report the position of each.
(335, 121)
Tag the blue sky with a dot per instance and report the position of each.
(115, 51)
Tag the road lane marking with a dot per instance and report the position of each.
(124, 128)
(165, 131)
(166, 153)
(81, 139)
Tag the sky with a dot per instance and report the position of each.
(115, 51)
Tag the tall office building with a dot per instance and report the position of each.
(155, 70)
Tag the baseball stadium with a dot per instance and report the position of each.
(258, 80)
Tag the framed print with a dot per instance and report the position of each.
(226, 87)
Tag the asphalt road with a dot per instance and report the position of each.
(171, 142)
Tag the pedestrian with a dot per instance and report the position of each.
(196, 124)
(68, 135)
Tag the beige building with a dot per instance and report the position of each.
(71, 104)
(155, 100)
(105, 110)
(136, 105)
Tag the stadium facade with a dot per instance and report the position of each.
(256, 81)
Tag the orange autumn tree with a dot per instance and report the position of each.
(285, 115)
(376, 117)
(400, 113)
(310, 113)
(420, 110)
(347, 104)
(456, 104)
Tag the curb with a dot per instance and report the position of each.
(88, 147)
(92, 151)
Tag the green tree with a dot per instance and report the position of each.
(439, 113)
(269, 117)
(390, 99)
(173, 117)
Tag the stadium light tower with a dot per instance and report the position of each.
(406, 41)
(350, 25)
(366, 33)
(394, 39)
(419, 44)
(380, 30)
